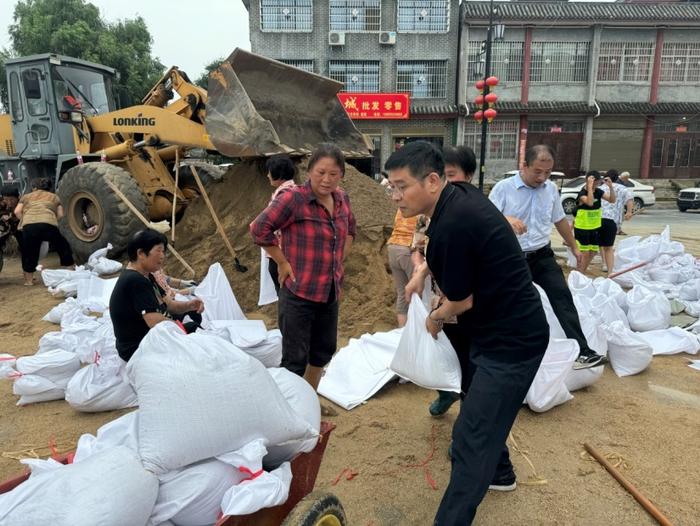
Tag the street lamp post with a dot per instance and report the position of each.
(499, 30)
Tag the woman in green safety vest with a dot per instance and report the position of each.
(589, 216)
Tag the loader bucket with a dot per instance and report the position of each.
(258, 107)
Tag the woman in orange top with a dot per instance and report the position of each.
(39, 212)
(399, 249)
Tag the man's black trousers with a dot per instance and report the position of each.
(496, 385)
(547, 273)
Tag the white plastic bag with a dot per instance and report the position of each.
(580, 284)
(57, 340)
(606, 310)
(423, 360)
(97, 254)
(648, 309)
(608, 287)
(265, 491)
(225, 398)
(101, 386)
(191, 496)
(690, 291)
(33, 389)
(628, 353)
(673, 340)
(56, 313)
(304, 401)
(548, 389)
(57, 366)
(7, 364)
(122, 431)
(579, 378)
(110, 489)
(219, 300)
(105, 266)
(267, 294)
(95, 293)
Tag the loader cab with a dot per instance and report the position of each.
(48, 93)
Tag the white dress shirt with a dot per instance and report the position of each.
(539, 208)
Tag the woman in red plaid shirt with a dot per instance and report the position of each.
(318, 228)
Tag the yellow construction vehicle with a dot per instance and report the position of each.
(64, 124)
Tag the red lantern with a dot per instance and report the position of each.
(480, 84)
(479, 100)
(491, 98)
(490, 114)
(492, 81)
(479, 116)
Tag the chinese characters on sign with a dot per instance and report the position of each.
(375, 105)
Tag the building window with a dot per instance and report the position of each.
(657, 153)
(680, 62)
(558, 62)
(355, 15)
(625, 61)
(357, 75)
(306, 65)
(506, 60)
(286, 15)
(423, 79)
(423, 16)
(502, 139)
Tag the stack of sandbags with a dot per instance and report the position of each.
(101, 386)
(110, 488)
(44, 376)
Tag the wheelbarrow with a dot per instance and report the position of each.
(304, 507)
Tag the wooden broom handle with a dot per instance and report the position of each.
(147, 224)
(219, 227)
(646, 503)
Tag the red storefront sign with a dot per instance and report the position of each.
(376, 105)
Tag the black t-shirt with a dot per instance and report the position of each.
(597, 196)
(133, 296)
(472, 250)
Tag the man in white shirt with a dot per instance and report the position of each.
(531, 204)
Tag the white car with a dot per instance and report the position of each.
(688, 198)
(643, 194)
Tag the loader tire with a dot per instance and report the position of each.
(93, 214)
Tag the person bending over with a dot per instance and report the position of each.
(138, 302)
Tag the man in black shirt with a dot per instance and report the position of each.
(138, 303)
(477, 262)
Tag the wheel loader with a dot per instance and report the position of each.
(64, 124)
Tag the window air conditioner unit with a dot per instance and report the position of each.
(387, 37)
(336, 38)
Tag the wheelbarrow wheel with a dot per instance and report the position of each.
(318, 508)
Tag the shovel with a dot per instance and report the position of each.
(237, 264)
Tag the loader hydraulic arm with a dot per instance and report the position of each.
(192, 99)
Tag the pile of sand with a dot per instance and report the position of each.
(368, 300)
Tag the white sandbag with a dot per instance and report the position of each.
(264, 491)
(102, 386)
(102, 344)
(692, 308)
(648, 309)
(191, 496)
(690, 291)
(673, 340)
(593, 330)
(548, 389)
(609, 288)
(57, 340)
(79, 325)
(105, 266)
(95, 293)
(268, 352)
(7, 364)
(57, 366)
(580, 284)
(694, 328)
(423, 360)
(33, 389)
(56, 314)
(360, 369)
(579, 378)
(122, 431)
(304, 401)
(627, 352)
(225, 398)
(241, 333)
(606, 310)
(97, 254)
(110, 489)
(664, 274)
(555, 328)
(267, 294)
(219, 300)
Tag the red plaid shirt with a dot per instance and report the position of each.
(314, 242)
